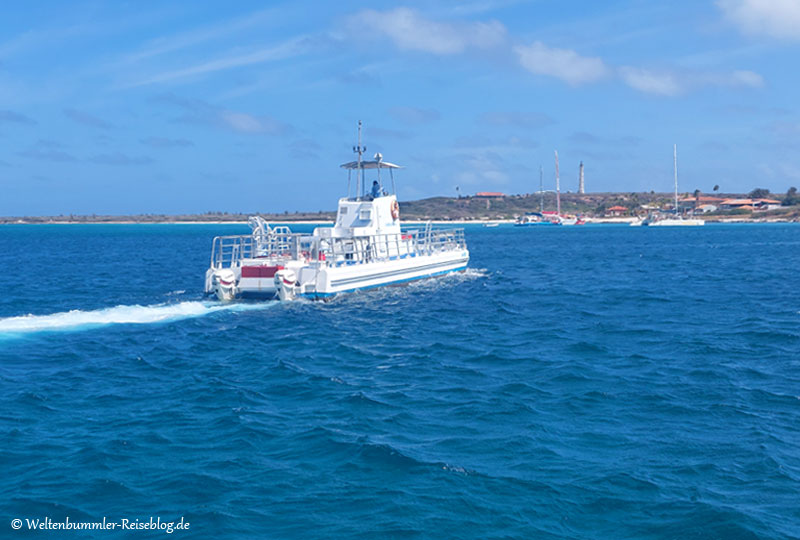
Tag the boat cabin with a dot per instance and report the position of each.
(373, 210)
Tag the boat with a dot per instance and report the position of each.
(564, 219)
(673, 219)
(568, 219)
(534, 219)
(365, 248)
(542, 217)
(491, 224)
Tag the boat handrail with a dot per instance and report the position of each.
(230, 251)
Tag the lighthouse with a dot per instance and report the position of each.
(581, 189)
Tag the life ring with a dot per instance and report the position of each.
(395, 210)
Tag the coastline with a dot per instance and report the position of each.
(592, 221)
(456, 211)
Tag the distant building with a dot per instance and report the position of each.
(706, 208)
(702, 199)
(767, 204)
(749, 204)
(692, 202)
(489, 195)
(616, 211)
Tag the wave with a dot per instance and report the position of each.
(135, 314)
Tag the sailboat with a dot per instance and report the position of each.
(564, 219)
(540, 218)
(543, 217)
(677, 220)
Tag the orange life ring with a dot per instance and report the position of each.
(395, 210)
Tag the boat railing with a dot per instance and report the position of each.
(229, 251)
(382, 247)
(226, 251)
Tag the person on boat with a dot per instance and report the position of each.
(376, 190)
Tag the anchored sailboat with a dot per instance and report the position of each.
(537, 219)
(564, 219)
(543, 217)
(677, 220)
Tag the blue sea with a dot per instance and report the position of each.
(577, 382)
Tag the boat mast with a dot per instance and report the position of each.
(675, 170)
(360, 174)
(558, 188)
(541, 189)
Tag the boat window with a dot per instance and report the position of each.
(365, 214)
(343, 210)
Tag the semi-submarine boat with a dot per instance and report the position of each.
(365, 248)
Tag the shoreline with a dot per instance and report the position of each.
(592, 221)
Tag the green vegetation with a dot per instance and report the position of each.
(791, 197)
(759, 193)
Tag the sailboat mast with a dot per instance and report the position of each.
(558, 188)
(541, 189)
(675, 171)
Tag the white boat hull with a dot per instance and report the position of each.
(676, 223)
(318, 280)
(332, 281)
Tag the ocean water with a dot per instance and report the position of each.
(596, 382)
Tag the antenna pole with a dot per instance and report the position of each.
(558, 188)
(675, 170)
(378, 159)
(360, 175)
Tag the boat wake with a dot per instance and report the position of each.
(135, 314)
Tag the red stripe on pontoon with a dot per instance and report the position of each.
(260, 271)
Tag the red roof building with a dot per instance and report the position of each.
(750, 204)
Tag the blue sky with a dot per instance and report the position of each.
(250, 106)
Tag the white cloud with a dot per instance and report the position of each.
(651, 82)
(781, 171)
(483, 167)
(196, 111)
(176, 42)
(674, 83)
(564, 64)
(283, 50)
(409, 30)
(414, 115)
(241, 122)
(775, 18)
(747, 78)
(521, 119)
(247, 123)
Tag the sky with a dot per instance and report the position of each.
(174, 107)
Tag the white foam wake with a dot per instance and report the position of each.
(158, 313)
